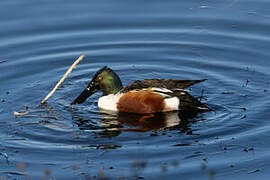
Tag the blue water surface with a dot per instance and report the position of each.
(226, 42)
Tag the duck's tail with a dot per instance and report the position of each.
(190, 103)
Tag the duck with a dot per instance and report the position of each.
(142, 96)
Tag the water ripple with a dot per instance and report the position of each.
(225, 42)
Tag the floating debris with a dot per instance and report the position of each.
(182, 144)
(98, 146)
(109, 147)
(26, 111)
(14, 173)
(17, 114)
(228, 92)
(245, 85)
(244, 95)
(139, 177)
(247, 149)
(5, 60)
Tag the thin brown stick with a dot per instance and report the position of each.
(63, 78)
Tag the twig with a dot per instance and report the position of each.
(17, 114)
(62, 79)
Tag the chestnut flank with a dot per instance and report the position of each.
(143, 102)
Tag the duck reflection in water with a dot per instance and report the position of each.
(113, 124)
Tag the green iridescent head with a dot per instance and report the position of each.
(105, 80)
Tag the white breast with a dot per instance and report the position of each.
(109, 102)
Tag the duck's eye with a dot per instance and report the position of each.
(100, 78)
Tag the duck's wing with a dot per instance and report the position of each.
(171, 84)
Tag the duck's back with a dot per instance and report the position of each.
(171, 84)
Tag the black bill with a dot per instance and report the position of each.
(87, 92)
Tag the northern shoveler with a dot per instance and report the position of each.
(143, 97)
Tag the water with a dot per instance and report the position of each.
(226, 42)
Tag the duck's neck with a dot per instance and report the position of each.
(114, 85)
(113, 89)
